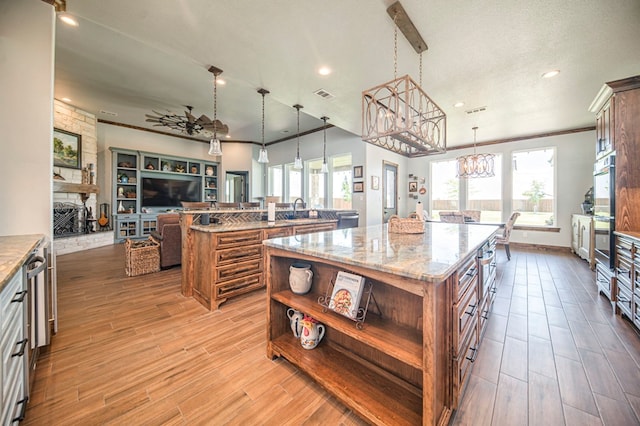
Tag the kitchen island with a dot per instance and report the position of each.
(411, 358)
(223, 260)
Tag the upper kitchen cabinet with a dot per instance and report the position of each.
(617, 108)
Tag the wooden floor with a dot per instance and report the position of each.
(134, 351)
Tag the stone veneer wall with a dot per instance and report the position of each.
(71, 119)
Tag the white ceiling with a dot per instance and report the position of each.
(132, 57)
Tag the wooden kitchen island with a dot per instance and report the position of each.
(410, 361)
(220, 261)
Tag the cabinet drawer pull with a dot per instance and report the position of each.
(473, 310)
(485, 315)
(623, 299)
(474, 354)
(624, 272)
(19, 297)
(23, 344)
(23, 410)
(471, 272)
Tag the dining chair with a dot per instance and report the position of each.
(451, 217)
(504, 238)
(221, 205)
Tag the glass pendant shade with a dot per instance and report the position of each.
(297, 163)
(325, 168)
(214, 147)
(263, 157)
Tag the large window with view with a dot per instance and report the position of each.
(276, 181)
(485, 194)
(445, 187)
(293, 183)
(534, 186)
(316, 181)
(341, 181)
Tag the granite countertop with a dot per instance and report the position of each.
(14, 251)
(246, 226)
(431, 256)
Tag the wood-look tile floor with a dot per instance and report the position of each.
(132, 350)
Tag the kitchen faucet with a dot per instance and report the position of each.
(294, 205)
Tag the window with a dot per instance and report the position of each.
(276, 182)
(294, 183)
(533, 186)
(341, 181)
(445, 187)
(316, 184)
(485, 194)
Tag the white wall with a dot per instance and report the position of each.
(27, 34)
(575, 155)
(375, 158)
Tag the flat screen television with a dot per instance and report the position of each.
(163, 192)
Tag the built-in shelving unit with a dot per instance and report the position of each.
(132, 220)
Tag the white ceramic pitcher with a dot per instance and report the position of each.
(311, 332)
(295, 319)
(300, 277)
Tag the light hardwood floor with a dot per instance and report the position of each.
(134, 351)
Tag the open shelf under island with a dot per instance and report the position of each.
(410, 361)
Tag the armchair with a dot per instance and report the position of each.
(169, 235)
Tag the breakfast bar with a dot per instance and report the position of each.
(431, 294)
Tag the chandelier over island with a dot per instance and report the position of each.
(398, 115)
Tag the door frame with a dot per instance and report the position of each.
(386, 164)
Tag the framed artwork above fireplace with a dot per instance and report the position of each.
(67, 149)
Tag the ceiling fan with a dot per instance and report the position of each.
(187, 123)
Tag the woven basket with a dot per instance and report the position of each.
(141, 257)
(410, 225)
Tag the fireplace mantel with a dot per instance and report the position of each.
(76, 188)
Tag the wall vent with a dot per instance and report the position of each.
(476, 110)
(113, 114)
(323, 94)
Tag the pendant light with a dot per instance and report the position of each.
(214, 144)
(475, 165)
(325, 168)
(263, 157)
(297, 164)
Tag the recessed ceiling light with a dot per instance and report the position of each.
(65, 100)
(69, 20)
(324, 71)
(550, 74)
(458, 104)
(228, 136)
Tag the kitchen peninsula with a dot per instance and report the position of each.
(225, 259)
(433, 294)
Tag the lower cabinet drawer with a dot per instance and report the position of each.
(235, 239)
(462, 365)
(466, 315)
(238, 254)
(623, 298)
(239, 286)
(236, 270)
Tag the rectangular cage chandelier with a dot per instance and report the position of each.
(398, 115)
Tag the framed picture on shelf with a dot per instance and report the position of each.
(67, 149)
(375, 182)
(358, 186)
(413, 186)
(358, 172)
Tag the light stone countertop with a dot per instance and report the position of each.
(246, 226)
(431, 256)
(631, 234)
(14, 252)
